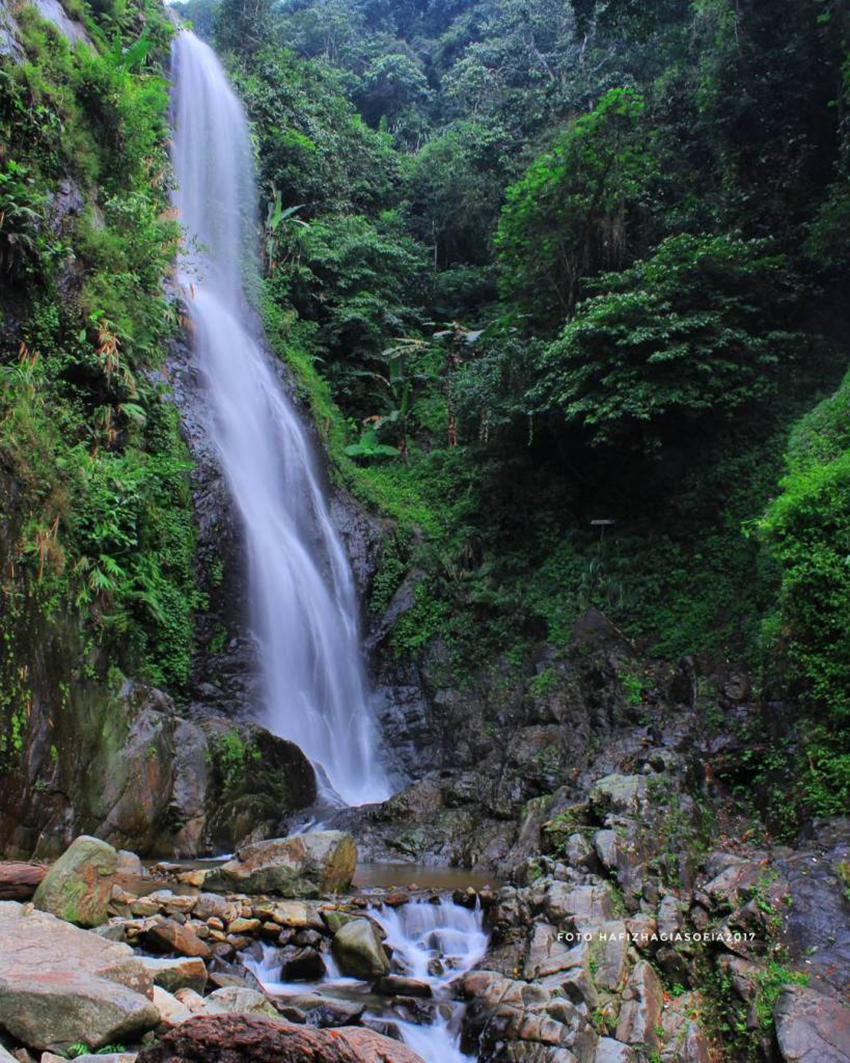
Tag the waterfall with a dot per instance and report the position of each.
(302, 594)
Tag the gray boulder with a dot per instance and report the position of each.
(578, 906)
(610, 950)
(235, 1001)
(106, 1057)
(359, 952)
(58, 1009)
(60, 985)
(169, 1007)
(305, 865)
(811, 1028)
(641, 1010)
(187, 972)
(610, 1051)
(624, 795)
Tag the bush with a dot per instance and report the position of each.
(687, 338)
(807, 530)
(104, 498)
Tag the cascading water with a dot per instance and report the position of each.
(433, 943)
(303, 599)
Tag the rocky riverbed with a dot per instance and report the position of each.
(587, 955)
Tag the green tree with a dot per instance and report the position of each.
(634, 18)
(357, 279)
(688, 337)
(567, 218)
(316, 150)
(453, 189)
(244, 26)
(391, 85)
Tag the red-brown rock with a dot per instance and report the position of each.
(170, 936)
(18, 882)
(254, 1039)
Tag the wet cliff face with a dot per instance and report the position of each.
(225, 672)
(46, 697)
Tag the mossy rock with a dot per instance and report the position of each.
(78, 886)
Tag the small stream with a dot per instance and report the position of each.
(435, 943)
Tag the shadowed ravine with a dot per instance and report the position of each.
(303, 601)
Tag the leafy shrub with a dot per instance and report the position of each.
(230, 757)
(689, 337)
(22, 206)
(807, 530)
(105, 501)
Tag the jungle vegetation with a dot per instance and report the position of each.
(533, 265)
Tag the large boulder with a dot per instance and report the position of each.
(610, 1051)
(39, 941)
(169, 1007)
(577, 906)
(156, 782)
(623, 795)
(171, 936)
(107, 1057)
(641, 1011)
(172, 974)
(305, 865)
(256, 1039)
(78, 886)
(60, 985)
(682, 1038)
(517, 1020)
(811, 1027)
(358, 950)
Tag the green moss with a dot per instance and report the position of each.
(230, 757)
(427, 619)
(392, 568)
(807, 532)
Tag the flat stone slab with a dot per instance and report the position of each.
(60, 985)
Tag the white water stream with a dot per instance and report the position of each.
(434, 943)
(303, 598)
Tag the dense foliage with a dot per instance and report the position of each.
(568, 216)
(536, 265)
(85, 245)
(807, 528)
(685, 340)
